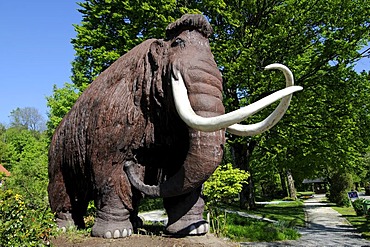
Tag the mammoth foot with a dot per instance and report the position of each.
(64, 221)
(195, 229)
(107, 229)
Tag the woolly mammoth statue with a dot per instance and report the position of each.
(152, 123)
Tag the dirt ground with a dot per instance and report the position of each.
(144, 241)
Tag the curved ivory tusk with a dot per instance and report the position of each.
(197, 122)
(274, 117)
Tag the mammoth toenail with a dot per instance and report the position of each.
(124, 233)
(193, 230)
(117, 234)
(108, 235)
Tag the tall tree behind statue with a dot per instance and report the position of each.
(317, 40)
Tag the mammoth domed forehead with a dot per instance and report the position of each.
(189, 22)
(191, 36)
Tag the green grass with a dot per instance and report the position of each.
(289, 212)
(252, 230)
(288, 215)
(362, 223)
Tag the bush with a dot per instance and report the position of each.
(341, 183)
(148, 204)
(20, 223)
(224, 185)
(358, 206)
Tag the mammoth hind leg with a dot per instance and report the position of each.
(69, 208)
(185, 214)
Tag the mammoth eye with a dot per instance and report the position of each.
(178, 42)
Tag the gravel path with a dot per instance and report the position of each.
(326, 227)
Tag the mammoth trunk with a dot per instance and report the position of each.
(204, 155)
(205, 148)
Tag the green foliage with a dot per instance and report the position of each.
(340, 184)
(60, 103)
(25, 216)
(358, 206)
(148, 204)
(247, 229)
(111, 28)
(27, 157)
(224, 184)
(21, 223)
(319, 42)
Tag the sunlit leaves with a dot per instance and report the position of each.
(224, 184)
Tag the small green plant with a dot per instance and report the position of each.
(89, 218)
(224, 185)
(20, 223)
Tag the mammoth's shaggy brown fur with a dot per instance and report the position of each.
(127, 113)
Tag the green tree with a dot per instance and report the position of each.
(60, 103)
(26, 159)
(319, 41)
(25, 216)
(111, 28)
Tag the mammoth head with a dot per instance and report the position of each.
(197, 83)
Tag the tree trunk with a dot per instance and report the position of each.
(247, 196)
(283, 183)
(241, 154)
(292, 191)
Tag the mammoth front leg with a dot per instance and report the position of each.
(113, 212)
(185, 214)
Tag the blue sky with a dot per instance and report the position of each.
(36, 53)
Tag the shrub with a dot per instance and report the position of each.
(148, 204)
(20, 223)
(341, 183)
(358, 206)
(224, 184)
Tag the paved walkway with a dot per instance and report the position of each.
(326, 227)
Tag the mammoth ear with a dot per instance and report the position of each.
(157, 59)
(156, 51)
